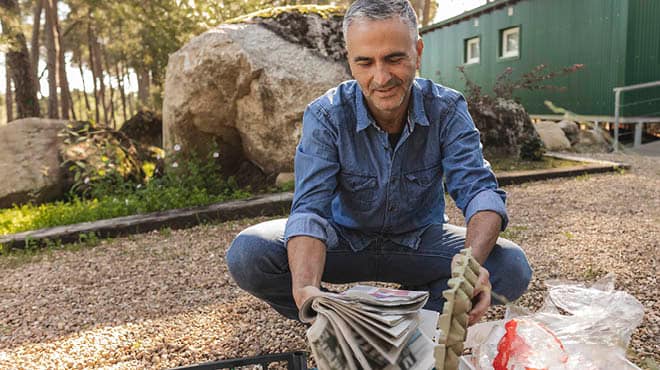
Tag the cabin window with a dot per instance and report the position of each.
(510, 45)
(471, 50)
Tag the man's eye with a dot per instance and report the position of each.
(363, 63)
(396, 60)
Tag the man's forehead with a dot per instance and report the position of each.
(392, 33)
(394, 24)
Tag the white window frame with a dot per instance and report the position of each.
(510, 53)
(470, 59)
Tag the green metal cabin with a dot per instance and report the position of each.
(618, 41)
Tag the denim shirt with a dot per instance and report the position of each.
(349, 180)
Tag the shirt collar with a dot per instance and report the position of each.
(364, 118)
(416, 112)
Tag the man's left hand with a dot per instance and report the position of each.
(481, 297)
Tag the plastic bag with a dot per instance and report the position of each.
(527, 344)
(578, 327)
(595, 315)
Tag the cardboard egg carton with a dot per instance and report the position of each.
(452, 323)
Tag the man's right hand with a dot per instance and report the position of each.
(301, 295)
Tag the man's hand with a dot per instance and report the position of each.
(301, 295)
(481, 297)
(482, 232)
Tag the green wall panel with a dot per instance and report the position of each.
(642, 58)
(557, 33)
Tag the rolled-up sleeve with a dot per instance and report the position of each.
(469, 181)
(488, 200)
(316, 166)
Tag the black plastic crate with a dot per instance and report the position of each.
(294, 361)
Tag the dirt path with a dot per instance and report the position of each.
(164, 299)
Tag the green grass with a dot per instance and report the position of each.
(186, 181)
(165, 231)
(568, 235)
(5, 330)
(591, 273)
(513, 164)
(513, 232)
(31, 217)
(583, 177)
(649, 363)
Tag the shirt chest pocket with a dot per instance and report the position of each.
(422, 184)
(358, 191)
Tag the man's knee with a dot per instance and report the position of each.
(245, 258)
(521, 275)
(237, 260)
(510, 272)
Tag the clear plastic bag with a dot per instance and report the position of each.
(590, 325)
(593, 315)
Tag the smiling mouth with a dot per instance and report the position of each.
(385, 91)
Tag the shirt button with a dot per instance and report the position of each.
(392, 208)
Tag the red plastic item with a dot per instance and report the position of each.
(527, 344)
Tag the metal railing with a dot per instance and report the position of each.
(617, 107)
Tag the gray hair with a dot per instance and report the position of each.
(381, 10)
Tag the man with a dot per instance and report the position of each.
(369, 195)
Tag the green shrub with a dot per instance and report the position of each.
(184, 181)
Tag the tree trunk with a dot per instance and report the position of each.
(131, 110)
(52, 59)
(79, 104)
(122, 93)
(417, 5)
(91, 65)
(65, 95)
(82, 78)
(84, 112)
(112, 92)
(427, 13)
(72, 105)
(34, 44)
(98, 65)
(144, 83)
(9, 96)
(18, 61)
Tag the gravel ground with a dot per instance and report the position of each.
(164, 299)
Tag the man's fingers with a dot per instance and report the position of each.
(481, 297)
(301, 295)
(480, 308)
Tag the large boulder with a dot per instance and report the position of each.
(30, 164)
(244, 87)
(571, 130)
(506, 130)
(592, 141)
(552, 135)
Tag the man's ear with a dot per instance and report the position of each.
(419, 49)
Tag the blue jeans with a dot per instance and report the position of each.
(257, 260)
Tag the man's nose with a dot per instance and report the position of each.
(382, 75)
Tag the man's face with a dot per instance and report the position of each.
(383, 58)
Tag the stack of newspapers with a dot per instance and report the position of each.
(368, 327)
